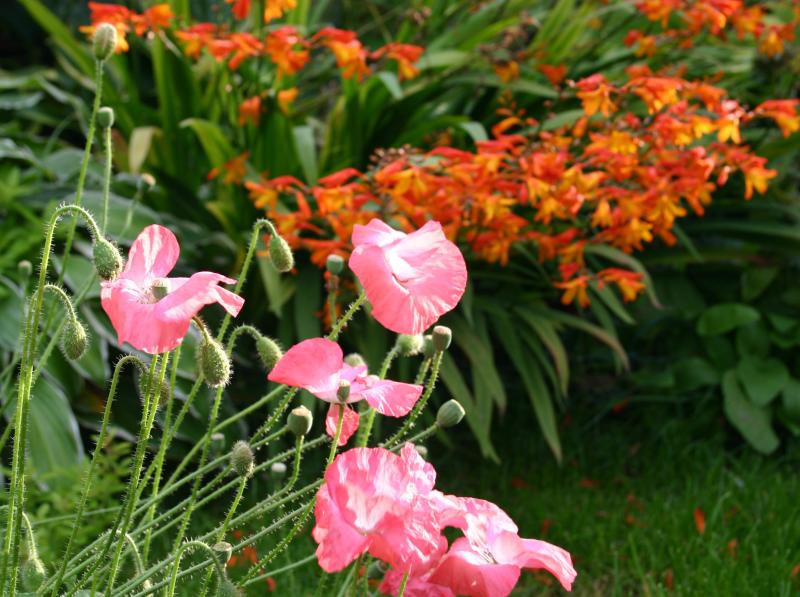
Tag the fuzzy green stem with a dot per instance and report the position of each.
(87, 152)
(217, 567)
(347, 316)
(420, 405)
(63, 297)
(106, 178)
(365, 429)
(89, 480)
(403, 584)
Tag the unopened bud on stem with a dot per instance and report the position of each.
(224, 549)
(104, 41)
(300, 420)
(410, 345)
(105, 117)
(355, 360)
(280, 254)
(269, 353)
(107, 260)
(214, 363)
(442, 336)
(450, 414)
(427, 346)
(242, 459)
(334, 264)
(33, 574)
(74, 340)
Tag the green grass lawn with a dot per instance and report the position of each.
(623, 503)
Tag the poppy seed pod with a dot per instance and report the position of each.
(354, 360)
(410, 346)
(104, 41)
(442, 336)
(334, 264)
(224, 549)
(74, 340)
(300, 420)
(107, 260)
(242, 459)
(450, 414)
(32, 574)
(214, 363)
(105, 117)
(269, 353)
(343, 393)
(228, 589)
(280, 254)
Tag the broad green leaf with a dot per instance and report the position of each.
(791, 399)
(306, 152)
(752, 339)
(692, 373)
(139, 146)
(721, 319)
(762, 379)
(720, 351)
(752, 421)
(756, 280)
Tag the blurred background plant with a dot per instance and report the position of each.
(552, 140)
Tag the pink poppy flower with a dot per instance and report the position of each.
(417, 586)
(410, 279)
(375, 501)
(487, 561)
(152, 312)
(318, 366)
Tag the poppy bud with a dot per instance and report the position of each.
(25, 268)
(269, 353)
(410, 345)
(343, 393)
(421, 450)
(107, 260)
(280, 254)
(214, 363)
(32, 574)
(300, 420)
(242, 459)
(228, 589)
(450, 414)
(277, 470)
(355, 360)
(74, 340)
(427, 346)
(105, 41)
(105, 117)
(224, 549)
(442, 336)
(334, 264)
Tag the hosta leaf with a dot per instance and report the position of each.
(752, 421)
(721, 319)
(762, 379)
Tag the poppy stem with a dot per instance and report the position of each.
(403, 585)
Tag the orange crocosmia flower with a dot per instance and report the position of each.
(575, 290)
(281, 47)
(240, 8)
(274, 9)
(109, 13)
(656, 92)
(158, 16)
(196, 37)
(245, 46)
(507, 71)
(771, 43)
(406, 55)
(250, 111)
(756, 176)
(629, 283)
(659, 10)
(595, 94)
(554, 73)
(700, 521)
(234, 169)
(783, 112)
(286, 98)
(350, 54)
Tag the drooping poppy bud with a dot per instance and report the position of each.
(450, 414)
(214, 363)
(269, 353)
(410, 345)
(107, 260)
(281, 254)
(74, 340)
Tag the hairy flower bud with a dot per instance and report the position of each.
(442, 336)
(25, 269)
(355, 360)
(278, 470)
(32, 574)
(427, 346)
(74, 340)
(228, 589)
(334, 264)
(242, 459)
(343, 393)
(300, 420)
(107, 260)
(450, 414)
(421, 450)
(269, 353)
(280, 254)
(105, 117)
(105, 41)
(224, 549)
(410, 345)
(214, 363)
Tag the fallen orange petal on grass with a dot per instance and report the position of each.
(669, 579)
(589, 483)
(733, 544)
(795, 571)
(700, 520)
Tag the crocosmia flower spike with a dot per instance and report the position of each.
(152, 312)
(317, 365)
(410, 279)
